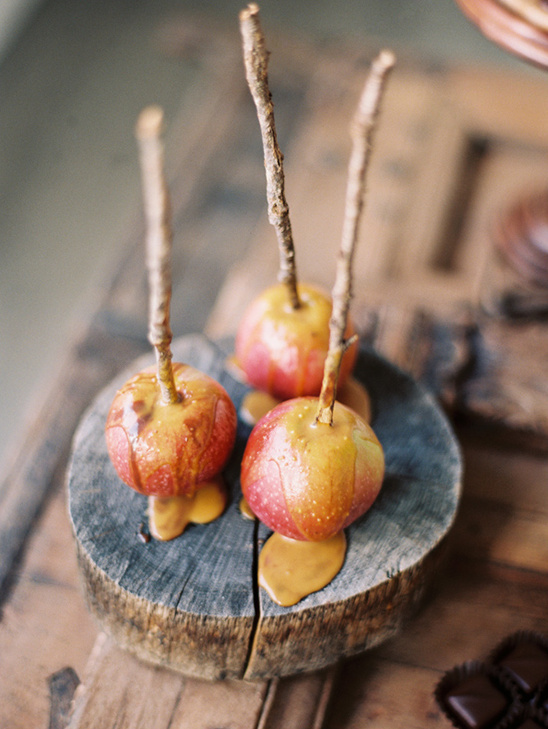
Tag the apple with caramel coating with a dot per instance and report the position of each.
(312, 465)
(166, 449)
(308, 480)
(282, 348)
(282, 340)
(170, 429)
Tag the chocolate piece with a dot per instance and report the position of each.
(524, 657)
(507, 691)
(473, 696)
(524, 716)
(476, 702)
(542, 697)
(528, 666)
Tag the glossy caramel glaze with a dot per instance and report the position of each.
(245, 510)
(354, 395)
(309, 480)
(169, 517)
(232, 366)
(168, 449)
(291, 569)
(255, 404)
(282, 350)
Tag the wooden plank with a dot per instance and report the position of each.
(195, 703)
(507, 536)
(300, 701)
(45, 625)
(287, 703)
(486, 602)
(472, 608)
(385, 694)
(509, 477)
(497, 105)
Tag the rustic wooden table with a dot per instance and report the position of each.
(455, 145)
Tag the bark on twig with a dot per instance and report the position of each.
(362, 129)
(256, 69)
(148, 132)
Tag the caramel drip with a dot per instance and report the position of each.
(245, 510)
(354, 395)
(209, 501)
(232, 366)
(169, 517)
(290, 569)
(256, 404)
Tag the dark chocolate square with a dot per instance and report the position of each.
(476, 702)
(527, 664)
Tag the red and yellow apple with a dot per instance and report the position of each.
(281, 349)
(308, 480)
(164, 449)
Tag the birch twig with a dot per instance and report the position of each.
(256, 70)
(362, 129)
(148, 132)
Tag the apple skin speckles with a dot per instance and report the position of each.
(308, 480)
(282, 350)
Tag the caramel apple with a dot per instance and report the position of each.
(282, 340)
(170, 428)
(282, 349)
(311, 465)
(308, 479)
(170, 451)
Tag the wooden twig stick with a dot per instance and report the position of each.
(148, 132)
(362, 129)
(256, 70)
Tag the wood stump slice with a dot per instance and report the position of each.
(193, 603)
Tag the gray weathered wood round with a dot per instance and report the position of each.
(193, 603)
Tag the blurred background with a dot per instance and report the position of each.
(73, 76)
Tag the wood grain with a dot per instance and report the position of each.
(45, 626)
